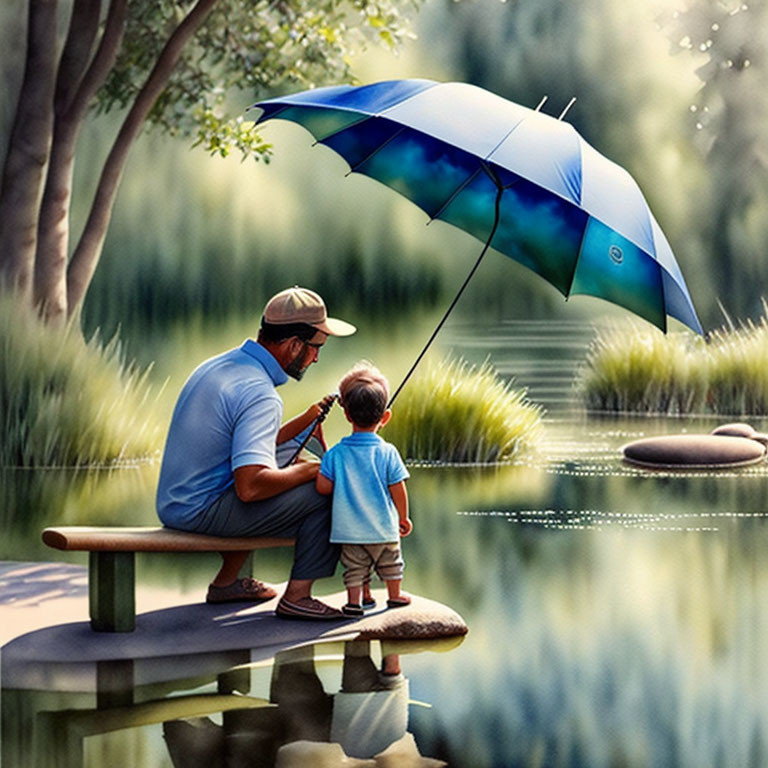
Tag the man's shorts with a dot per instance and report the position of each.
(359, 559)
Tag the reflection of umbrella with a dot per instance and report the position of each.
(521, 181)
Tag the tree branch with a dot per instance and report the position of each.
(103, 61)
(78, 47)
(88, 249)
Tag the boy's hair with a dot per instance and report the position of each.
(364, 392)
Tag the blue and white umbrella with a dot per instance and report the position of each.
(524, 183)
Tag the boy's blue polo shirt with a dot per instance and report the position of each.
(362, 466)
(227, 416)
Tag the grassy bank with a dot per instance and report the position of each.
(68, 402)
(453, 412)
(635, 369)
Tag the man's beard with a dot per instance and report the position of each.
(296, 368)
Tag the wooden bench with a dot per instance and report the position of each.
(111, 563)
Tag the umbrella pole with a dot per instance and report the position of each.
(499, 191)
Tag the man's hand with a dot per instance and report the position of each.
(322, 407)
(406, 526)
(299, 423)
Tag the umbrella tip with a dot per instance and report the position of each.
(541, 103)
(567, 107)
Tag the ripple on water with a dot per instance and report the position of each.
(596, 520)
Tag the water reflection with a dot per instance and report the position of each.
(617, 616)
(233, 712)
(31, 499)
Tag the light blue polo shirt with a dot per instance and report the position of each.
(227, 416)
(362, 466)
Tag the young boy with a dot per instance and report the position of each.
(367, 477)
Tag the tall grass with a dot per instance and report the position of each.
(635, 369)
(453, 412)
(65, 401)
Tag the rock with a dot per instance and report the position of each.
(740, 429)
(422, 620)
(694, 452)
(736, 429)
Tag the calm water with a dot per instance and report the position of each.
(617, 617)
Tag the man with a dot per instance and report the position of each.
(220, 473)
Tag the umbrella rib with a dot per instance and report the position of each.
(353, 168)
(576, 262)
(453, 195)
(504, 138)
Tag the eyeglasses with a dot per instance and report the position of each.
(314, 346)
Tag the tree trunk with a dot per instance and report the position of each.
(88, 250)
(75, 87)
(50, 284)
(28, 150)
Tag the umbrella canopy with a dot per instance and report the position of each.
(525, 183)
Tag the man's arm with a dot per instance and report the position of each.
(299, 423)
(255, 482)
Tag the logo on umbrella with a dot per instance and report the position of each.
(616, 254)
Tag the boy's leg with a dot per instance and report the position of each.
(368, 599)
(354, 595)
(393, 588)
(390, 665)
(357, 564)
(390, 566)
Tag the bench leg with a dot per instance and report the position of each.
(111, 591)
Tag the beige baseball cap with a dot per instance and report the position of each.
(300, 305)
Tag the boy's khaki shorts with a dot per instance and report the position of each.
(359, 559)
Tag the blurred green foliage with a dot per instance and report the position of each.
(197, 237)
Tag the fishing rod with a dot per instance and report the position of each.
(325, 408)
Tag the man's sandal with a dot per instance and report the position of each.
(398, 602)
(352, 609)
(241, 591)
(306, 608)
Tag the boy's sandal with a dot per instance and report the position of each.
(306, 608)
(398, 602)
(351, 609)
(369, 603)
